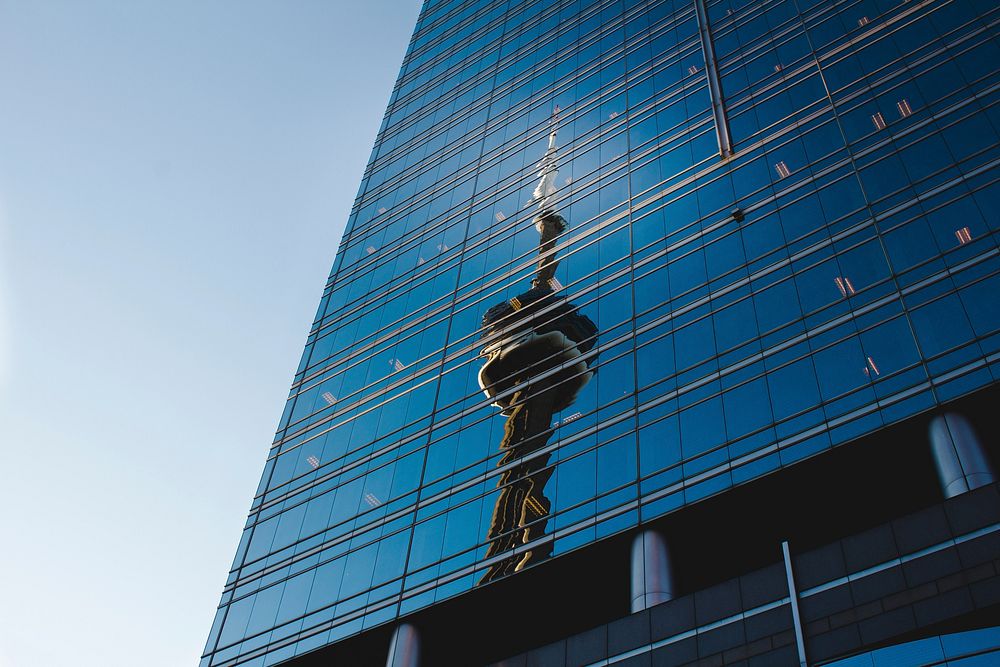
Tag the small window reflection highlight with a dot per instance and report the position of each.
(566, 420)
(844, 285)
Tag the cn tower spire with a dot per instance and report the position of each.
(548, 168)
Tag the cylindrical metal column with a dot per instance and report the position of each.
(652, 582)
(961, 461)
(404, 649)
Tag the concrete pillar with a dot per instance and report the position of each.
(961, 461)
(652, 582)
(404, 648)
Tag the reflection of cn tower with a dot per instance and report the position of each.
(535, 341)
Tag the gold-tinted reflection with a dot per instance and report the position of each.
(533, 370)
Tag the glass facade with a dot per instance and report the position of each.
(975, 648)
(609, 258)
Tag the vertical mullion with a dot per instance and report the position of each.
(714, 86)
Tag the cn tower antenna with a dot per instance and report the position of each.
(548, 168)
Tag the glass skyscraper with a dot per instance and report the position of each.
(614, 262)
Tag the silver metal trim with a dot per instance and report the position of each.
(793, 598)
(714, 86)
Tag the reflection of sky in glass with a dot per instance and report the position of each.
(961, 649)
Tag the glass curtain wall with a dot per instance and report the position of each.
(779, 247)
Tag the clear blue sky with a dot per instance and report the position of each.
(174, 180)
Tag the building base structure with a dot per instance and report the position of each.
(929, 573)
(881, 557)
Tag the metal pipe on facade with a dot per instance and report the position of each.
(652, 581)
(714, 85)
(793, 600)
(961, 460)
